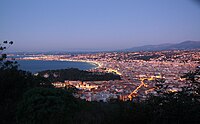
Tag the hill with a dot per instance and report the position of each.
(186, 45)
(74, 74)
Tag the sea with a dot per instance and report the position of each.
(35, 66)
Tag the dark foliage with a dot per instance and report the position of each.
(46, 106)
(76, 74)
(147, 58)
(3, 46)
(13, 84)
(193, 79)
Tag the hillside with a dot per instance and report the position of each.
(186, 45)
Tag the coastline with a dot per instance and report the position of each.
(97, 64)
(94, 63)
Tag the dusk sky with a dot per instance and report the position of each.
(63, 25)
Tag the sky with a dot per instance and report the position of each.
(73, 25)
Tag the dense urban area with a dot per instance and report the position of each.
(142, 73)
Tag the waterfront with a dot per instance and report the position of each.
(41, 65)
(133, 67)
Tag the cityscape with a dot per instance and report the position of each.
(100, 61)
(139, 72)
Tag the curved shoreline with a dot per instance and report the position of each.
(96, 64)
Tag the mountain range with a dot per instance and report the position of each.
(186, 45)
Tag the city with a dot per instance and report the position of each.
(100, 62)
(140, 73)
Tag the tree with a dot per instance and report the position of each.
(13, 84)
(193, 81)
(160, 86)
(3, 46)
(46, 106)
(6, 64)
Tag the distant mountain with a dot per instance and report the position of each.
(179, 46)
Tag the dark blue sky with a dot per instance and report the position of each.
(53, 25)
